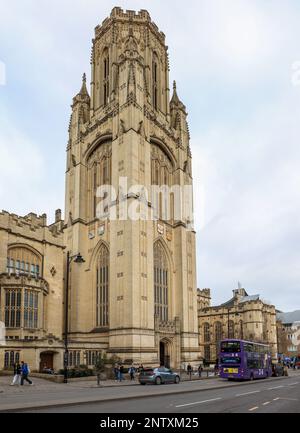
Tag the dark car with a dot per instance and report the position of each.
(277, 370)
(158, 376)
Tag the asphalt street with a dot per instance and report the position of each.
(261, 397)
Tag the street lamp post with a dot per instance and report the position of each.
(77, 259)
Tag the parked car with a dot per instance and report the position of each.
(277, 370)
(158, 376)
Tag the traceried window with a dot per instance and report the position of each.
(207, 353)
(74, 358)
(206, 328)
(155, 82)
(21, 308)
(241, 330)
(102, 283)
(23, 261)
(99, 164)
(218, 334)
(13, 305)
(106, 72)
(11, 358)
(161, 178)
(161, 283)
(30, 309)
(231, 329)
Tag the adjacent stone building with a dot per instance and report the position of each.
(31, 290)
(288, 332)
(242, 317)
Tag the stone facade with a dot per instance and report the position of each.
(288, 333)
(128, 128)
(242, 317)
(135, 297)
(31, 290)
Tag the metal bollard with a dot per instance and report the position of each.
(98, 379)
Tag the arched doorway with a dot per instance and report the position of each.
(164, 354)
(46, 360)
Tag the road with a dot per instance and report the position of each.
(261, 397)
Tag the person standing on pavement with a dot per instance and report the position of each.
(116, 372)
(121, 374)
(189, 371)
(25, 373)
(132, 372)
(17, 375)
(200, 369)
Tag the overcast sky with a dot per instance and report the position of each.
(233, 61)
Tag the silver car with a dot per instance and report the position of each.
(158, 376)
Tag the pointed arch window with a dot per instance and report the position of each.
(155, 82)
(102, 295)
(231, 329)
(206, 333)
(106, 73)
(218, 333)
(161, 283)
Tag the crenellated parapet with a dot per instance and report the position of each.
(33, 227)
(129, 16)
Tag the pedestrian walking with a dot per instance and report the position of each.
(17, 375)
(189, 371)
(116, 372)
(121, 373)
(200, 369)
(25, 373)
(132, 372)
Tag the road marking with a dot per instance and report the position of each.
(247, 393)
(266, 403)
(253, 409)
(276, 387)
(198, 402)
(292, 384)
(276, 399)
(290, 399)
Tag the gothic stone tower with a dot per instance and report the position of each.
(135, 297)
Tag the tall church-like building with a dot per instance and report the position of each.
(136, 297)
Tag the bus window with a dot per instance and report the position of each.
(248, 347)
(231, 361)
(230, 347)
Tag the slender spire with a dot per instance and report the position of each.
(83, 90)
(175, 99)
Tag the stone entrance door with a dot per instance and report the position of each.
(164, 355)
(46, 360)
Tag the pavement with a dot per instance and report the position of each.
(47, 396)
(281, 396)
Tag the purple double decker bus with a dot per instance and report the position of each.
(244, 360)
